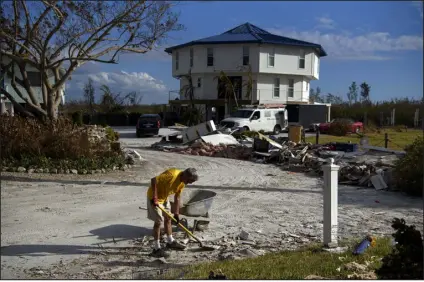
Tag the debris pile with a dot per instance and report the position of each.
(217, 151)
(369, 167)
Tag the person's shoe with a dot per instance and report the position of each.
(159, 253)
(175, 245)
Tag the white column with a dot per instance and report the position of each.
(12, 110)
(330, 203)
(2, 107)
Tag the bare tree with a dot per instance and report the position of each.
(113, 102)
(365, 92)
(352, 95)
(89, 92)
(134, 98)
(55, 37)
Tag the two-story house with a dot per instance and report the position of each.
(34, 77)
(263, 68)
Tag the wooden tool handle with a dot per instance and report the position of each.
(180, 225)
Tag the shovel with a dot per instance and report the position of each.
(204, 247)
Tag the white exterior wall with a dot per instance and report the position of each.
(315, 64)
(36, 89)
(228, 58)
(265, 87)
(286, 60)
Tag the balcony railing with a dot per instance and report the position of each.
(258, 95)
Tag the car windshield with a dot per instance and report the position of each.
(242, 114)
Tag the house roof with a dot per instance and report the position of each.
(249, 33)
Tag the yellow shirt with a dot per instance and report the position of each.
(167, 183)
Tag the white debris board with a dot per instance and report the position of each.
(217, 139)
(197, 131)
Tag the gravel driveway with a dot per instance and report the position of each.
(85, 226)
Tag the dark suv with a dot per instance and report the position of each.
(148, 124)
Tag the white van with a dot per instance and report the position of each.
(268, 119)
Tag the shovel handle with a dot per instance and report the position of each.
(180, 225)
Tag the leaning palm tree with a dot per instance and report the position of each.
(188, 89)
(193, 116)
(249, 82)
(225, 83)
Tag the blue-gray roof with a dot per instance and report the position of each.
(249, 33)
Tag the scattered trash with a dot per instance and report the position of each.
(366, 166)
(363, 276)
(354, 266)
(220, 139)
(364, 244)
(220, 276)
(315, 277)
(197, 131)
(244, 235)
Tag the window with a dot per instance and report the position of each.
(276, 87)
(191, 57)
(210, 57)
(271, 58)
(34, 78)
(302, 59)
(199, 82)
(177, 60)
(267, 113)
(245, 55)
(256, 115)
(290, 89)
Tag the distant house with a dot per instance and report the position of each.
(281, 68)
(35, 80)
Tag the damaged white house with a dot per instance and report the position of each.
(35, 80)
(278, 69)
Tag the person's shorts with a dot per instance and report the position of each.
(154, 213)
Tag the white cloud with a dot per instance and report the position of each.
(325, 23)
(152, 90)
(344, 45)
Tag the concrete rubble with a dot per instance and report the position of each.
(366, 166)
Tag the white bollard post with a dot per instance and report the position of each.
(330, 204)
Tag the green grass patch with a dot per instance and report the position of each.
(290, 264)
(397, 140)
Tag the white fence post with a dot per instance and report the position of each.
(330, 204)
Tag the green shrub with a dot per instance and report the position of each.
(406, 260)
(54, 144)
(408, 172)
(339, 128)
(112, 135)
(77, 118)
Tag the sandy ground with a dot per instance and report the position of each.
(72, 226)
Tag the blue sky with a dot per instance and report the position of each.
(377, 42)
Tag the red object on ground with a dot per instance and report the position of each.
(355, 125)
(377, 201)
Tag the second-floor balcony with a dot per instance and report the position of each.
(285, 96)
